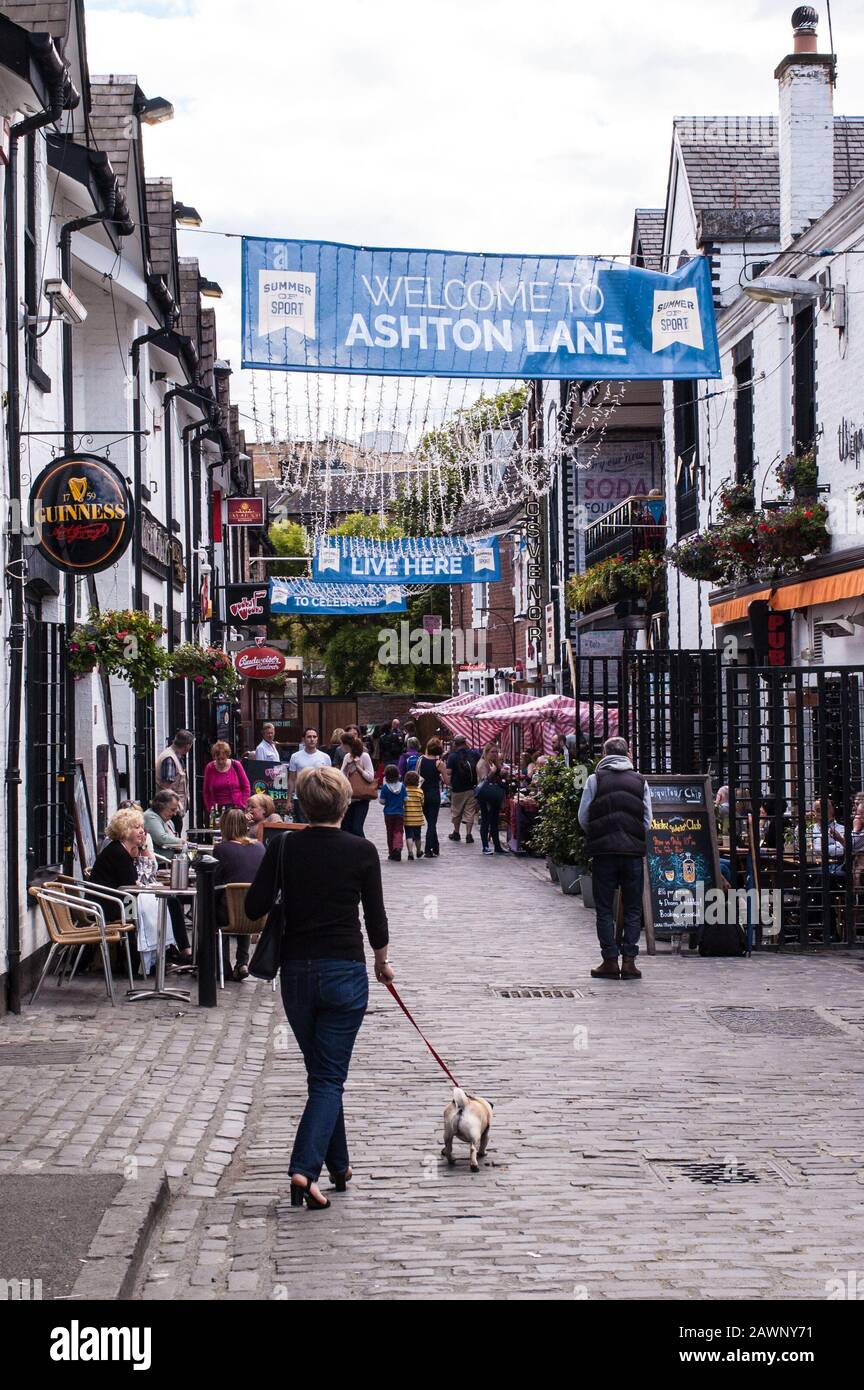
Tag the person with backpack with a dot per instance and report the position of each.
(615, 813)
(410, 758)
(462, 778)
(431, 767)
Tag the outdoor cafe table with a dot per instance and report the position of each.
(163, 893)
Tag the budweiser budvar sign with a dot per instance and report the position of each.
(259, 663)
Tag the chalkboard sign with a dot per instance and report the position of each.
(271, 779)
(682, 850)
(84, 845)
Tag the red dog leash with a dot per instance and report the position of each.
(441, 1064)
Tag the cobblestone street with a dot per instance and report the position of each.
(695, 1135)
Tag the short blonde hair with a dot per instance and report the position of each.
(338, 735)
(123, 823)
(232, 824)
(220, 747)
(324, 793)
(267, 804)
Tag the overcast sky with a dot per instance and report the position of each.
(465, 124)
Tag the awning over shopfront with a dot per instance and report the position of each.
(830, 589)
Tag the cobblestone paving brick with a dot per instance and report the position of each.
(639, 1148)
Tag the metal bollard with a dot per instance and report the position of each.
(205, 881)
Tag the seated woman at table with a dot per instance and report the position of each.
(261, 811)
(159, 823)
(768, 820)
(239, 856)
(126, 862)
(225, 782)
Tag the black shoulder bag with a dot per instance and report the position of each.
(267, 956)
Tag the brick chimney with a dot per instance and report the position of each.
(806, 79)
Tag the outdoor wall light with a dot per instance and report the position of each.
(185, 216)
(154, 110)
(779, 289)
(209, 288)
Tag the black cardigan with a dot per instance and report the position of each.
(325, 875)
(113, 867)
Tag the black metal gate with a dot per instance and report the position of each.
(785, 744)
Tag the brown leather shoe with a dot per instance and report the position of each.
(607, 971)
(628, 969)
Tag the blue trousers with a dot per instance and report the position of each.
(325, 1001)
(608, 872)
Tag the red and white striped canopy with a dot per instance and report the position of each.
(463, 719)
(556, 714)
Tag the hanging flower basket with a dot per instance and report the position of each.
(207, 667)
(736, 498)
(702, 556)
(786, 537)
(797, 474)
(124, 644)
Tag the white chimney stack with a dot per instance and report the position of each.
(806, 79)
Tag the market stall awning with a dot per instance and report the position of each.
(830, 589)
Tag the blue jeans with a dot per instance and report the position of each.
(608, 872)
(325, 1001)
(355, 818)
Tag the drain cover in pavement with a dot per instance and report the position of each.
(711, 1173)
(535, 992)
(43, 1054)
(781, 1023)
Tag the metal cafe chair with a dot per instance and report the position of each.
(238, 923)
(98, 892)
(73, 923)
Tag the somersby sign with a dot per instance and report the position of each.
(324, 306)
(82, 513)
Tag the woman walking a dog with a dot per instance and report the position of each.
(323, 876)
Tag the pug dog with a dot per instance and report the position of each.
(467, 1118)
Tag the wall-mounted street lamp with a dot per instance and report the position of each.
(209, 288)
(186, 216)
(154, 110)
(780, 289)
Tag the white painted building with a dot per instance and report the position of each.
(770, 196)
(72, 153)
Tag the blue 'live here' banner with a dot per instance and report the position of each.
(412, 560)
(325, 307)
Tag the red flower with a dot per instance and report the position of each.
(73, 647)
(199, 680)
(124, 633)
(91, 646)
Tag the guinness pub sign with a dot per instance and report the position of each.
(82, 513)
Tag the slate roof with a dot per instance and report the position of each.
(110, 121)
(733, 162)
(52, 17)
(648, 235)
(190, 298)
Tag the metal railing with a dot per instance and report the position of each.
(637, 524)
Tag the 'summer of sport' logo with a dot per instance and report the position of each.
(676, 319)
(286, 299)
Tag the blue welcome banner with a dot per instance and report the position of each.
(413, 560)
(324, 307)
(299, 596)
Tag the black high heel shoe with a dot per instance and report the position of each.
(299, 1195)
(341, 1180)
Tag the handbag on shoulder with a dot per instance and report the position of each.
(361, 790)
(267, 956)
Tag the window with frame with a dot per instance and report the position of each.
(744, 457)
(804, 378)
(479, 605)
(686, 436)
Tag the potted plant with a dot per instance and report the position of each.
(557, 832)
(785, 537)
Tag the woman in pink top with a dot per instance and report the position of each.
(225, 782)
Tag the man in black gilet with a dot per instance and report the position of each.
(615, 812)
